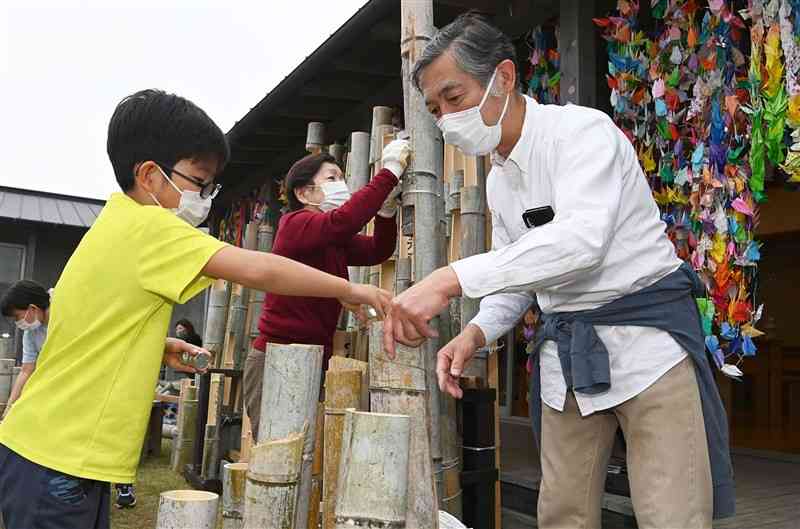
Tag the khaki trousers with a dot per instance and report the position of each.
(667, 456)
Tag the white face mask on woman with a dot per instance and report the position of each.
(192, 207)
(467, 131)
(335, 194)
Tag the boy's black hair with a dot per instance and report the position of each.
(302, 174)
(22, 294)
(154, 125)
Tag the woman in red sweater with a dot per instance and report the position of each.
(322, 231)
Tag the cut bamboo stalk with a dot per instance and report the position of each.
(373, 486)
(247, 438)
(399, 386)
(347, 364)
(273, 483)
(288, 408)
(337, 150)
(315, 139)
(425, 184)
(316, 470)
(211, 445)
(183, 443)
(216, 319)
(233, 480)
(342, 391)
(181, 509)
(381, 117)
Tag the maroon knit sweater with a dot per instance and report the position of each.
(329, 242)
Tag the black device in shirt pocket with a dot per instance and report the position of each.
(536, 217)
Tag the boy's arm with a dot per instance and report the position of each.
(272, 273)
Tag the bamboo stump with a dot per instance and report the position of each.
(339, 363)
(182, 509)
(273, 483)
(399, 386)
(342, 391)
(315, 138)
(183, 443)
(373, 473)
(233, 480)
(279, 479)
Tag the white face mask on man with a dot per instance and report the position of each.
(467, 131)
(192, 207)
(335, 195)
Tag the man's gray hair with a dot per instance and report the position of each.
(476, 45)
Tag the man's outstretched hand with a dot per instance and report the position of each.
(408, 319)
(453, 357)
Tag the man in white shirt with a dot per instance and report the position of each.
(574, 227)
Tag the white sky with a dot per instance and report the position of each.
(63, 70)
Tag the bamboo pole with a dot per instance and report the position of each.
(279, 479)
(211, 445)
(399, 386)
(233, 480)
(234, 333)
(373, 485)
(381, 117)
(264, 238)
(315, 139)
(216, 319)
(337, 150)
(316, 470)
(183, 443)
(181, 509)
(424, 181)
(342, 391)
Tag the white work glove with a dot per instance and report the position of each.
(389, 208)
(395, 157)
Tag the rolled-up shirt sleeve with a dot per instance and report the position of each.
(587, 188)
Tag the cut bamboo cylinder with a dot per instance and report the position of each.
(6, 379)
(315, 139)
(216, 318)
(316, 470)
(399, 386)
(183, 443)
(381, 117)
(181, 509)
(284, 451)
(233, 480)
(342, 391)
(337, 150)
(359, 160)
(273, 483)
(373, 476)
(211, 445)
(7, 347)
(340, 363)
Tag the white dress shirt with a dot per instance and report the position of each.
(606, 240)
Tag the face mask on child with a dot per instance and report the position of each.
(25, 325)
(192, 207)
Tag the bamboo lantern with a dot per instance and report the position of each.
(181, 509)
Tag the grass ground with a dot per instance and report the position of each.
(153, 478)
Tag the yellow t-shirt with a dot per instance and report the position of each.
(85, 409)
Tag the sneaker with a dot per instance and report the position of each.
(126, 497)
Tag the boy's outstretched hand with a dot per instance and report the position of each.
(173, 350)
(375, 297)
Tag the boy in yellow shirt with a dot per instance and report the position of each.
(81, 421)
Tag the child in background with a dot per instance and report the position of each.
(81, 421)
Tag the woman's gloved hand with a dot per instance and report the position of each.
(395, 157)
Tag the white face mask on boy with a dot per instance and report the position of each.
(467, 131)
(192, 207)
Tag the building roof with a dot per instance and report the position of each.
(51, 208)
(356, 68)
